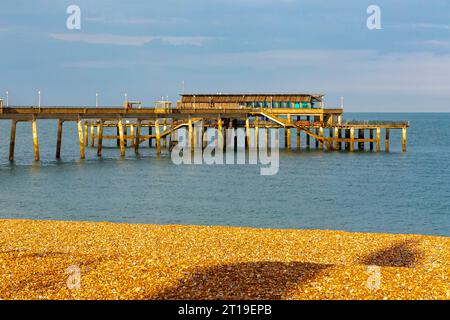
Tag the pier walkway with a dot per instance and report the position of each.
(324, 126)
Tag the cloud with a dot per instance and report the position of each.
(349, 70)
(436, 43)
(103, 39)
(432, 26)
(119, 40)
(135, 21)
(181, 41)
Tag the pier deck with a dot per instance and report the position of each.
(324, 126)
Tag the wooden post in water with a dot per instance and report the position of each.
(404, 139)
(121, 138)
(352, 139)
(80, 138)
(378, 140)
(371, 139)
(361, 134)
(137, 140)
(118, 135)
(267, 138)
(387, 140)
(158, 137)
(59, 139)
(100, 139)
(12, 141)
(35, 139)
(92, 136)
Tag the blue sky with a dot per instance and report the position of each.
(147, 48)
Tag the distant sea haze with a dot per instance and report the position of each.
(393, 193)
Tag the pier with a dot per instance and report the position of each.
(301, 114)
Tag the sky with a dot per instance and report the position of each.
(148, 48)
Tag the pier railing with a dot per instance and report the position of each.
(374, 123)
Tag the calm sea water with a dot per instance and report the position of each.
(395, 192)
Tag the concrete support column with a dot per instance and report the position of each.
(340, 139)
(86, 134)
(35, 139)
(361, 135)
(220, 142)
(191, 135)
(256, 132)
(158, 137)
(247, 133)
(92, 136)
(137, 139)
(352, 139)
(59, 139)
(378, 140)
(371, 138)
(12, 140)
(287, 134)
(164, 130)
(100, 139)
(121, 137)
(387, 140)
(150, 132)
(336, 139)
(132, 137)
(81, 138)
(308, 137)
(404, 139)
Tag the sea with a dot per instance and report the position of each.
(382, 192)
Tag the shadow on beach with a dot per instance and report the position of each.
(252, 280)
(402, 254)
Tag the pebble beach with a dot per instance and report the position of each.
(81, 260)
